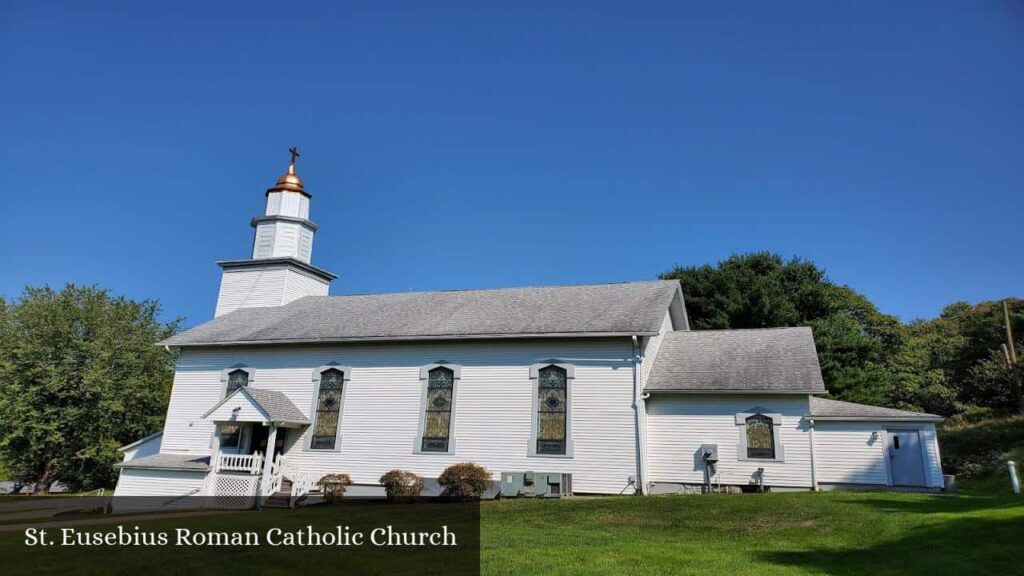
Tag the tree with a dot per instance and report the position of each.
(948, 365)
(964, 355)
(79, 376)
(763, 290)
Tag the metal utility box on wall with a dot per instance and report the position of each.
(709, 453)
(535, 484)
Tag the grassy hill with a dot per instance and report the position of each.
(977, 452)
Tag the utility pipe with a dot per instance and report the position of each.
(814, 469)
(1013, 476)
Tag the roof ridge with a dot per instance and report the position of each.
(500, 289)
(710, 330)
(886, 408)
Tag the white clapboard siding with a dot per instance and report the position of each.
(263, 246)
(286, 244)
(651, 347)
(678, 425)
(241, 408)
(380, 419)
(299, 284)
(265, 286)
(248, 287)
(179, 489)
(845, 453)
(147, 448)
(932, 459)
(290, 204)
(274, 203)
(305, 244)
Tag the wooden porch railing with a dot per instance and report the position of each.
(245, 463)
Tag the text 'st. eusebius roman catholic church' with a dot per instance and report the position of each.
(586, 389)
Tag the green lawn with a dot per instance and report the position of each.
(762, 534)
(830, 533)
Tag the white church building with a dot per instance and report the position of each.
(604, 387)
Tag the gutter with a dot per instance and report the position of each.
(639, 410)
(932, 419)
(754, 391)
(355, 340)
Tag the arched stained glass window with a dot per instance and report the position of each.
(760, 437)
(437, 422)
(237, 379)
(328, 410)
(551, 410)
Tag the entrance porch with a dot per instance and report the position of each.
(246, 467)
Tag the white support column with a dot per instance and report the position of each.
(268, 460)
(215, 448)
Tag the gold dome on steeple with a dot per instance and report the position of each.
(290, 181)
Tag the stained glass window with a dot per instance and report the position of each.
(237, 379)
(438, 417)
(760, 437)
(551, 410)
(328, 410)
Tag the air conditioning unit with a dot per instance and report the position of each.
(535, 484)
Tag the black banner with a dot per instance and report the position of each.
(146, 536)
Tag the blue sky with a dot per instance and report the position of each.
(455, 145)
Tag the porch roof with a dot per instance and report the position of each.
(255, 405)
(825, 409)
(166, 461)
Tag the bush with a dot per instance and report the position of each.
(334, 486)
(402, 485)
(973, 450)
(465, 481)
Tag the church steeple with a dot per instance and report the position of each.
(285, 229)
(279, 270)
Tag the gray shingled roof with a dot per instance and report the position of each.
(826, 409)
(275, 404)
(764, 360)
(197, 462)
(620, 309)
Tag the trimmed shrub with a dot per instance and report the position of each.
(334, 486)
(402, 485)
(465, 481)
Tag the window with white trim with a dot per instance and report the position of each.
(551, 430)
(439, 397)
(327, 415)
(552, 391)
(437, 416)
(760, 435)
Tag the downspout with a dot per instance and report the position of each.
(638, 408)
(814, 470)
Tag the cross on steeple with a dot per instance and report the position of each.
(295, 154)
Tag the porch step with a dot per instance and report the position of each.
(278, 500)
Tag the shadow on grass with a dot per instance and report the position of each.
(935, 504)
(965, 546)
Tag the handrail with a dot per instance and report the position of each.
(250, 463)
(301, 485)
